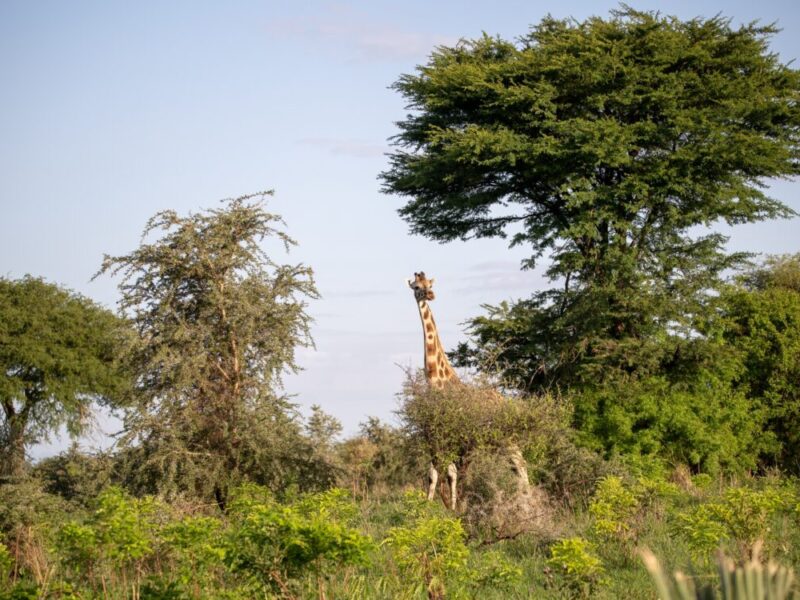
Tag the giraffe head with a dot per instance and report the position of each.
(422, 286)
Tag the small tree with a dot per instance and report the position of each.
(218, 323)
(57, 357)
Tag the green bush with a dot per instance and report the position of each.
(113, 543)
(613, 507)
(197, 547)
(454, 422)
(273, 545)
(706, 422)
(580, 569)
(743, 516)
(6, 563)
(430, 551)
(23, 590)
(497, 572)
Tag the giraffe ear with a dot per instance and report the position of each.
(410, 282)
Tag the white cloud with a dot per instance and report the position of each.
(348, 147)
(500, 275)
(494, 265)
(371, 40)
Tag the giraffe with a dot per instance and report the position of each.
(438, 370)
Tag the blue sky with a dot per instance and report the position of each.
(112, 111)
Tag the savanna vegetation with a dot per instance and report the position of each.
(634, 420)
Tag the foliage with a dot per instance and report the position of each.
(760, 319)
(75, 475)
(198, 549)
(430, 550)
(117, 537)
(324, 544)
(322, 429)
(57, 356)
(742, 515)
(703, 420)
(28, 517)
(456, 421)
(218, 323)
(21, 591)
(576, 562)
(704, 528)
(749, 581)
(497, 572)
(272, 544)
(498, 502)
(381, 458)
(604, 143)
(613, 506)
(6, 563)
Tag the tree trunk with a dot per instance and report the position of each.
(13, 455)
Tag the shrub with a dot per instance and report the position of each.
(28, 518)
(705, 422)
(613, 506)
(496, 572)
(74, 475)
(273, 544)
(197, 545)
(430, 551)
(6, 563)
(459, 419)
(742, 515)
(704, 528)
(114, 542)
(581, 570)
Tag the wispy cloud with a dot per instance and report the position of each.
(495, 265)
(348, 147)
(359, 294)
(371, 40)
(500, 275)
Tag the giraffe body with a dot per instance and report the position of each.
(438, 370)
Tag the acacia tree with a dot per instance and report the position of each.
(605, 144)
(57, 357)
(218, 323)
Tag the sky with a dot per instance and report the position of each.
(112, 111)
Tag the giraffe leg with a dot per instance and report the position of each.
(452, 479)
(433, 479)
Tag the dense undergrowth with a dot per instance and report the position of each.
(392, 545)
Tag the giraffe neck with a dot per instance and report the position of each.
(437, 368)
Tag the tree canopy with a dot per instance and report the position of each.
(57, 356)
(218, 322)
(604, 144)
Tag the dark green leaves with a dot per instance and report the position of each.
(57, 356)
